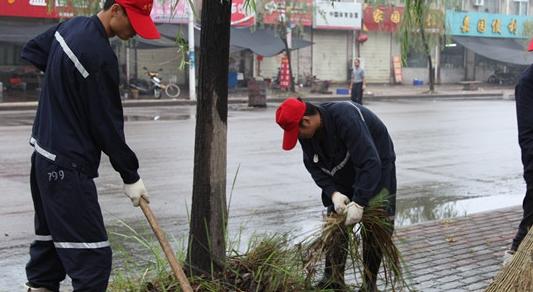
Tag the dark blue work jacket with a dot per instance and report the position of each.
(80, 111)
(352, 153)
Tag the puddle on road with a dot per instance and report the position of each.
(156, 117)
(422, 209)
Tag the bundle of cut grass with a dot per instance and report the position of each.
(375, 226)
(517, 275)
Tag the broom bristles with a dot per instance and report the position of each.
(375, 223)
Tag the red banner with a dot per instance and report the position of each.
(241, 15)
(32, 8)
(285, 77)
(301, 11)
(382, 18)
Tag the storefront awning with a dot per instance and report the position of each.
(20, 32)
(505, 50)
(141, 43)
(264, 42)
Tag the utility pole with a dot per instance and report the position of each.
(191, 56)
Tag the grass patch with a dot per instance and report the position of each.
(268, 263)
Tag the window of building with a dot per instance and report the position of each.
(10, 54)
(452, 56)
(520, 7)
(415, 59)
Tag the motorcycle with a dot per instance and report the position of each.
(155, 85)
(504, 78)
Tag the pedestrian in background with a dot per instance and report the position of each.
(358, 82)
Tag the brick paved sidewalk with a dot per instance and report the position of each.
(460, 254)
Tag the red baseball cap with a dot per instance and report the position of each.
(139, 15)
(530, 47)
(288, 116)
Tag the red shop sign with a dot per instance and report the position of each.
(301, 11)
(382, 18)
(32, 8)
(241, 15)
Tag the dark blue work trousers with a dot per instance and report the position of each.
(70, 235)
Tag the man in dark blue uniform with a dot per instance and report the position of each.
(524, 114)
(79, 116)
(350, 155)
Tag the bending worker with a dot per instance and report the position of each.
(350, 156)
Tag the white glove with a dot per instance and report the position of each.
(135, 191)
(339, 202)
(354, 214)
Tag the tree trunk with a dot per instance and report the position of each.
(206, 252)
(431, 75)
(428, 55)
(518, 274)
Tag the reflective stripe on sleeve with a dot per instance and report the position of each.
(71, 55)
(42, 151)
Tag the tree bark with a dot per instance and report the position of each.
(207, 246)
(428, 55)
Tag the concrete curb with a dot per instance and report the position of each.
(32, 105)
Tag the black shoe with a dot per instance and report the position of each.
(31, 288)
(328, 284)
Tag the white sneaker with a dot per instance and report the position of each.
(508, 256)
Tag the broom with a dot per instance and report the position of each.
(517, 275)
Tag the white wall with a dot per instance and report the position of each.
(376, 56)
(331, 55)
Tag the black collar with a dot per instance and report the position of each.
(100, 27)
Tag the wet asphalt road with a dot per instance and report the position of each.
(454, 157)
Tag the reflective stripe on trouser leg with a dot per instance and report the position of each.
(44, 268)
(76, 224)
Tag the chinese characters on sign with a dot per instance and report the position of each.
(512, 26)
(485, 24)
(466, 24)
(337, 15)
(496, 26)
(481, 25)
(378, 15)
(285, 78)
(382, 18)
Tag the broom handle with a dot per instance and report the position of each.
(167, 249)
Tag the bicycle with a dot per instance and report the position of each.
(171, 89)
